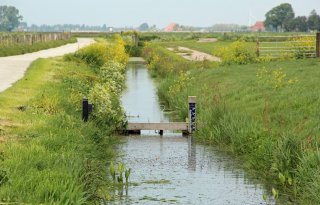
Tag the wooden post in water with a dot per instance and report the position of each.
(192, 100)
(318, 45)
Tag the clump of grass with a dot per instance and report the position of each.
(237, 53)
(119, 172)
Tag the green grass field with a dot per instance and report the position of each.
(265, 113)
(48, 155)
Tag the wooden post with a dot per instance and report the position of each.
(192, 113)
(258, 48)
(85, 110)
(318, 45)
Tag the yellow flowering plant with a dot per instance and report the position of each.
(274, 78)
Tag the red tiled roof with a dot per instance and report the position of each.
(258, 26)
(170, 27)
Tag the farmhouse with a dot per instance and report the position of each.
(171, 27)
(259, 26)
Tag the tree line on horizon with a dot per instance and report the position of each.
(282, 18)
(279, 19)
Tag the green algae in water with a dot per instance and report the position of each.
(162, 181)
(149, 198)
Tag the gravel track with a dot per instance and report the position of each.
(194, 55)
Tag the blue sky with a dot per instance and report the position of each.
(159, 12)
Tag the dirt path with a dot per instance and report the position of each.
(12, 68)
(208, 40)
(194, 55)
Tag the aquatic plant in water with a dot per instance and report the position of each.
(118, 172)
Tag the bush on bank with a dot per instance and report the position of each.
(109, 61)
(100, 53)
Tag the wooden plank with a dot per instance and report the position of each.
(298, 36)
(173, 126)
(280, 42)
(263, 51)
(288, 47)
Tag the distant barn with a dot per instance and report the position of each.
(259, 26)
(171, 27)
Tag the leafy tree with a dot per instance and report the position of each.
(314, 21)
(9, 18)
(298, 24)
(279, 17)
(144, 27)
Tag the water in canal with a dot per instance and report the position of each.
(173, 169)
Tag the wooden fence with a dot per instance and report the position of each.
(306, 46)
(8, 39)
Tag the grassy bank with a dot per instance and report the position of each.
(208, 47)
(221, 36)
(265, 113)
(48, 155)
(27, 48)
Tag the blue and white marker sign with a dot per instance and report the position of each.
(192, 113)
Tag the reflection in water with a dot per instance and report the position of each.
(191, 154)
(140, 100)
(174, 169)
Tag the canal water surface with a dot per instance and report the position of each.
(173, 169)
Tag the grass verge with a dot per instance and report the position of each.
(47, 154)
(266, 113)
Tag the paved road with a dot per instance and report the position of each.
(12, 68)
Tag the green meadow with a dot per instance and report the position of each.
(265, 112)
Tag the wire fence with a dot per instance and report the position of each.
(11, 39)
(288, 46)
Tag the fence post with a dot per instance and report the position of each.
(258, 48)
(192, 100)
(318, 45)
(85, 110)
